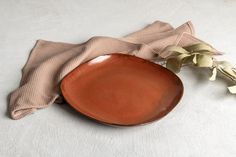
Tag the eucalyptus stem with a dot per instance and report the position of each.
(200, 55)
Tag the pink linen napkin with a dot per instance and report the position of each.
(49, 61)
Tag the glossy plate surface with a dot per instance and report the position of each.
(122, 90)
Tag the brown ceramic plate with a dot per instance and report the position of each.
(122, 90)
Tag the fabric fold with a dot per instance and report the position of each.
(49, 62)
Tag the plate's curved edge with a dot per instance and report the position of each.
(62, 88)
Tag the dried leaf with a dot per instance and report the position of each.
(195, 59)
(173, 64)
(204, 60)
(199, 47)
(171, 51)
(201, 56)
(230, 72)
(224, 64)
(213, 76)
(188, 59)
(232, 89)
(227, 71)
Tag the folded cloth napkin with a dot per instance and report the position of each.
(49, 61)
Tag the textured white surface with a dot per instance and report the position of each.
(203, 124)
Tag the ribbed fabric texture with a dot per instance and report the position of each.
(50, 61)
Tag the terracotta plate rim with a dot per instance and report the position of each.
(90, 116)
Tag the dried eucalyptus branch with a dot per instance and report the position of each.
(199, 55)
